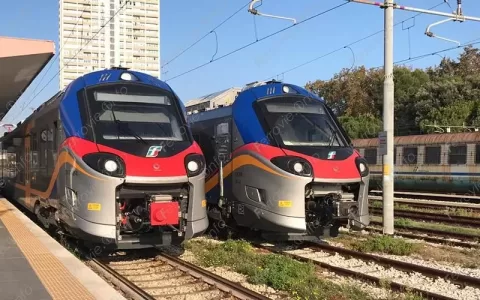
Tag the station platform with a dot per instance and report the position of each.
(34, 266)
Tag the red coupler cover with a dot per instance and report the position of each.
(164, 213)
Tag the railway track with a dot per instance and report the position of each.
(435, 217)
(342, 271)
(165, 276)
(430, 239)
(459, 279)
(454, 235)
(468, 198)
(430, 204)
(157, 275)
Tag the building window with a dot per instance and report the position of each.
(371, 156)
(457, 155)
(433, 155)
(410, 155)
(477, 154)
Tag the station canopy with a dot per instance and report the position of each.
(21, 60)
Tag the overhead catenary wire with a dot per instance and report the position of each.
(259, 40)
(88, 41)
(347, 46)
(61, 47)
(207, 34)
(422, 56)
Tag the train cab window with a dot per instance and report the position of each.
(410, 155)
(477, 154)
(457, 155)
(394, 155)
(433, 155)
(371, 156)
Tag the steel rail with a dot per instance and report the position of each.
(430, 203)
(219, 282)
(461, 236)
(124, 284)
(441, 197)
(459, 279)
(430, 239)
(358, 275)
(424, 216)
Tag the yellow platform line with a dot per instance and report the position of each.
(58, 281)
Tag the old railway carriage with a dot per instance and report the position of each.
(110, 160)
(446, 162)
(279, 162)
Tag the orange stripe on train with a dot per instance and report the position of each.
(64, 158)
(239, 162)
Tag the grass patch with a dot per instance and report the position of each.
(386, 244)
(277, 271)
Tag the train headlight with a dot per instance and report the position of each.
(362, 166)
(128, 76)
(106, 163)
(298, 167)
(111, 166)
(294, 165)
(195, 164)
(192, 166)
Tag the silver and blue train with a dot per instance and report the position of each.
(110, 160)
(279, 162)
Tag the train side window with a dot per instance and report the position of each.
(477, 154)
(410, 155)
(395, 155)
(457, 155)
(34, 151)
(433, 155)
(370, 156)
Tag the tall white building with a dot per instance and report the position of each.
(131, 39)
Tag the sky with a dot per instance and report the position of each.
(182, 22)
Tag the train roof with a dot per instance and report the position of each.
(438, 138)
(260, 89)
(92, 78)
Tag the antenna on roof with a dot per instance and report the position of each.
(119, 68)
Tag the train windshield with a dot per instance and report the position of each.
(301, 122)
(135, 113)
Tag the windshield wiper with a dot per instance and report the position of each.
(335, 135)
(128, 131)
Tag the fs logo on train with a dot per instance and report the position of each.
(331, 154)
(153, 151)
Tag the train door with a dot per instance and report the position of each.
(223, 148)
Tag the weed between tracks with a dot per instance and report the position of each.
(386, 244)
(276, 271)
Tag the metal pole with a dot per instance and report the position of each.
(425, 11)
(388, 117)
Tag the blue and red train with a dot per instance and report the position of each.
(110, 160)
(279, 162)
